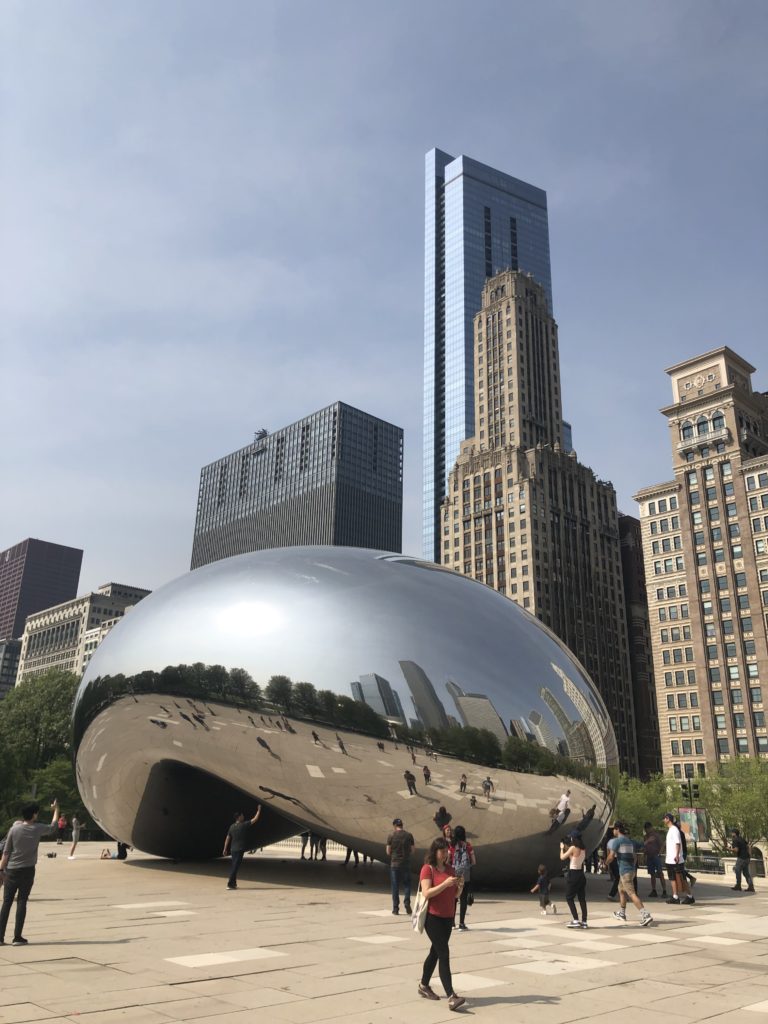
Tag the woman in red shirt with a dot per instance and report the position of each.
(440, 885)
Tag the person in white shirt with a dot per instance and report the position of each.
(675, 862)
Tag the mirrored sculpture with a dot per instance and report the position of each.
(342, 688)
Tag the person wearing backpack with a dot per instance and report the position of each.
(462, 860)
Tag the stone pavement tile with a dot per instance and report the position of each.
(704, 1002)
(193, 1008)
(633, 1015)
(89, 1002)
(256, 998)
(134, 1015)
(718, 974)
(307, 986)
(758, 1007)
(338, 1007)
(18, 1012)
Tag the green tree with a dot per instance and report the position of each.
(736, 796)
(56, 781)
(280, 692)
(35, 729)
(638, 802)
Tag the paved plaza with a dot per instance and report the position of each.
(147, 941)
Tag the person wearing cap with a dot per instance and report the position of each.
(624, 851)
(675, 862)
(399, 848)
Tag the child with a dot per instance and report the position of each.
(542, 888)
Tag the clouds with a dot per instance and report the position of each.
(212, 221)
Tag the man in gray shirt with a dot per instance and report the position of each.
(17, 866)
(399, 847)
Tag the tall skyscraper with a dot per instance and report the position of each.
(477, 710)
(640, 647)
(35, 574)
(477, 221)
(705, 542)
(523, 515)
(335, 477)
(376, 691)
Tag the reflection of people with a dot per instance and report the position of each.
(442, 817)
(62, 827)
(399, 847)
(427, 774)
(576, 880)
(463, 783)
(410, 780)
(304, 841)
(586, 818)
(237, 842)
(488, 787)
(17, 866)
(440, 885)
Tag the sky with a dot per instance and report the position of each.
(212, 221)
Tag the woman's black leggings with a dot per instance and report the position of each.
(463, 901)
(576, 889)
(439, 931)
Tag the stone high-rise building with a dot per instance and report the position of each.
(66, 635)
(335, 477)
(705, 541)
(478, 220)
(522, 514)
(35, 574)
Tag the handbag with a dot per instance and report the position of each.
(420, 908)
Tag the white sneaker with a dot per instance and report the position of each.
(543, 913)
(554, 908)
(620, 915)
(71, 858)
(583, 924)
(574, 924)
(645, 919)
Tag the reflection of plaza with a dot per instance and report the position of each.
(208, 759)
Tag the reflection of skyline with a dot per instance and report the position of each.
(576, 740)
(426, 703)
(376, 691)
(477, 710)
(541, 730)
(519, 727)
(597, 734)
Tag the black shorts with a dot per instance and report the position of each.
(673, 870)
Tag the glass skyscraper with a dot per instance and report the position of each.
(478, 221)
(334, 477)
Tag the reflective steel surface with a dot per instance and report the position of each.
(314, 680)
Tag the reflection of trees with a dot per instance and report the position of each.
(199, 684)
(522, 756)
(235, 687)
